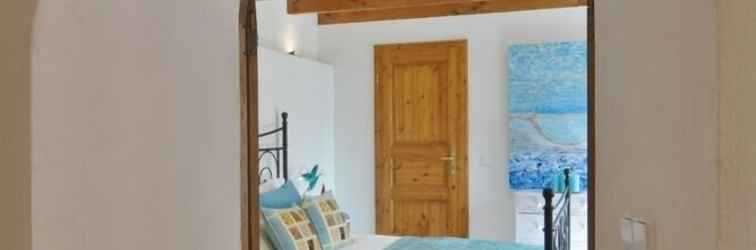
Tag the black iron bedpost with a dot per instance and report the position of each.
(285, 126)
(568, 203)
(548, 210)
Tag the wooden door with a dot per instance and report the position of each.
(421, 139)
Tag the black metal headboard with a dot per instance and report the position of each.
(279, 153)
(557, 229)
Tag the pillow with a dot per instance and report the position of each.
(284, 197)
(265, 243)
(270, 185)
(264, 240)
(290, 229)
(332, 224)
(557, 182)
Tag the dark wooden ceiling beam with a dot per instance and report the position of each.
(320, 6)
(447, 9)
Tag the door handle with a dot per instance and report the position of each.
(451, 164)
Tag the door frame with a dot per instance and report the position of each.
(462, 149)
(592, 124)
(248, 77)
(248, 84)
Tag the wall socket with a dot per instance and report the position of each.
(634, 233)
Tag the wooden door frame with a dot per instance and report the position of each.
(250, 219)
(592, 125)
(248, 82)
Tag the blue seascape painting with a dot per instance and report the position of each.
(548, 107)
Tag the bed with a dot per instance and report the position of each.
(556, 212)
(371, 242)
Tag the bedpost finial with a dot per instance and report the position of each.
(548, 193)
(285, 115)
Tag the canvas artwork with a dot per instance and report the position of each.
(548, 107)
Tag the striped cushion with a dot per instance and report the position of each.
(290, 229)
(264, 240)
(332, 224)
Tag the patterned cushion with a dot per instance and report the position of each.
(332, 224)
(264, 240)
(290, 229)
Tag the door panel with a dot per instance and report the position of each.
(420, 89)
(421, 218)
(421, 139)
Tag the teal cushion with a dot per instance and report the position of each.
(557, 182)
(290, 229)
(284, 197)
(332, 224)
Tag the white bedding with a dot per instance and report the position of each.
(370, 242)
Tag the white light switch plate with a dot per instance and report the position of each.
(639, 236)
(486, 161)
(626, 233)
(634, 233)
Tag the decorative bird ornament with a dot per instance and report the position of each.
(312, 177)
